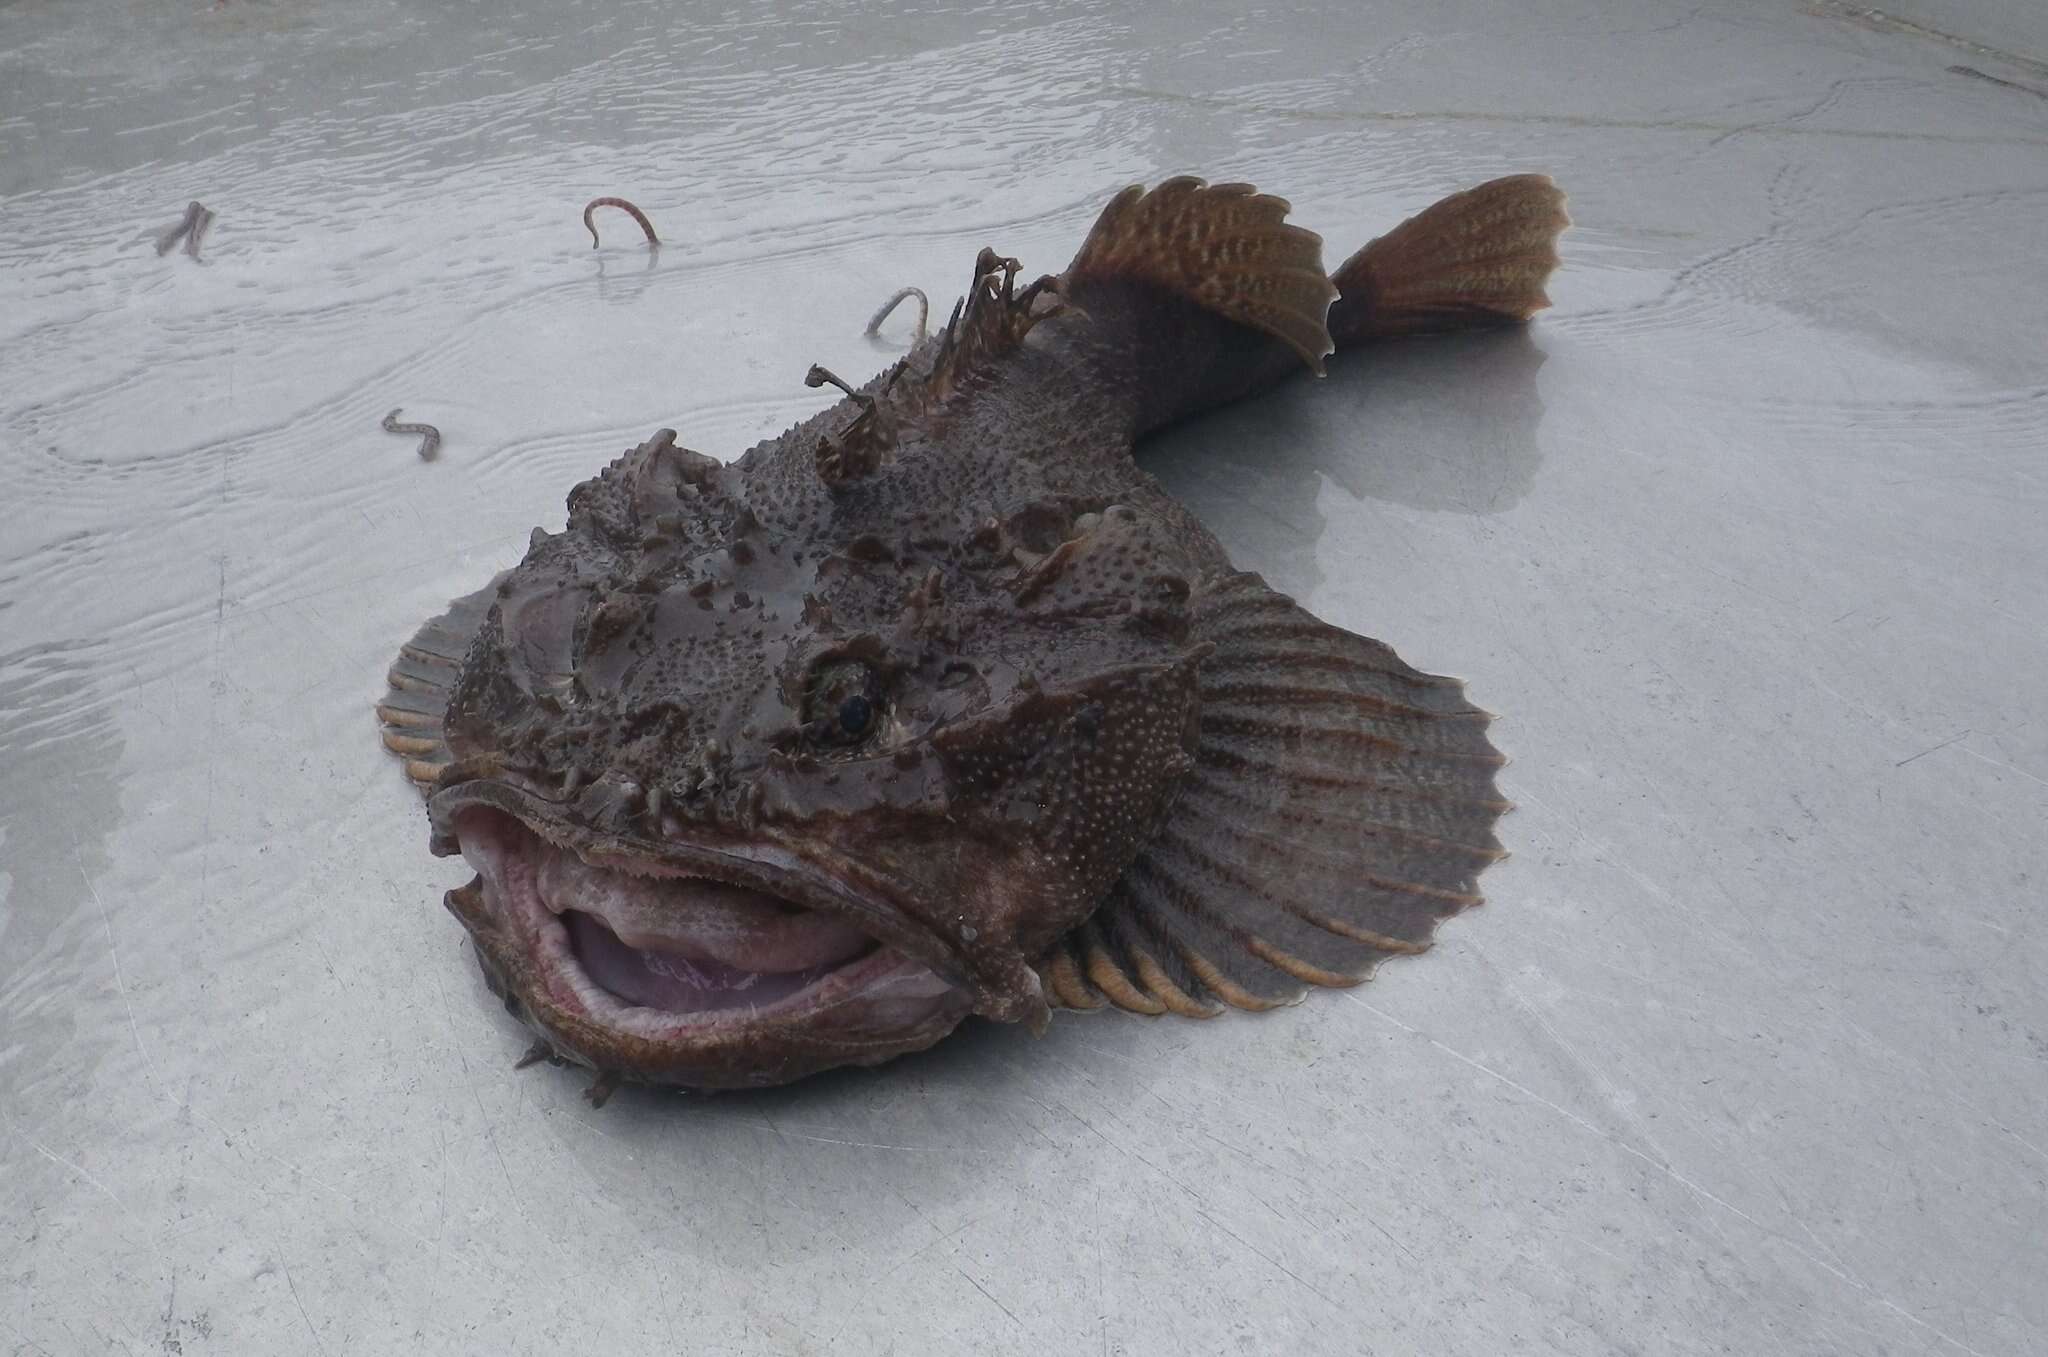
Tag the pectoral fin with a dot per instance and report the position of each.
(420, 680)
(1342, 803)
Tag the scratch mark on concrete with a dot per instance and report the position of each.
(220, 605)
(120, 981)
(32, 1343)
(1932, 749)
(293, 1287)
(64, 1163)
(490, 1129)
(928, 1245)
(2001, 763)
(1973, 73)
(1879, 20)
(877, 1145)
(1975, 1110)
(1585, 120)
(1269, 1259)
(501, 1276)
(991, 1299)
(1792, 1214)
(440, 1215)
(1201, 1204)
(1610, 857)
(1828, 98)
(1675, 1176)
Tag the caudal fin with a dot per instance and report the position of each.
(1478, 258)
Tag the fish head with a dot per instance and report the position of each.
(762, 773)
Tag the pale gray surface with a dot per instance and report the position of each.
(1745, 540)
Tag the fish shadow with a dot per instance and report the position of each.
(1444, 423)
(969, 1058)
(873, 1163)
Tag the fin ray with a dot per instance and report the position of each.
(421, 677)
(1342, 805)
(1477, 258)
(1225, 247)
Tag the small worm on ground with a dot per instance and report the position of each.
(635, 213)
(430, 437)
(200, 221)
(168, 241)
(924, 312)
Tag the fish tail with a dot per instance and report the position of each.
(1476, 259)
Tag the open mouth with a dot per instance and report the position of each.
(655, 952)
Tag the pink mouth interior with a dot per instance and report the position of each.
(676, 945)
(687, 944)
(672, 981)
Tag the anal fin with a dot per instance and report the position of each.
(1342, 804)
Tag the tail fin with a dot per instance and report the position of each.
(1478, 258)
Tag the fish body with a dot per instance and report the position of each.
(937, 705)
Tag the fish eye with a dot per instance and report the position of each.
(842, 704)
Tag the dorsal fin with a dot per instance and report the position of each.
(1225, 247)
(1341, 804)
(989, 321)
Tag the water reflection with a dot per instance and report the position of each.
(59, 802)
(626, 281)
(1447, 424)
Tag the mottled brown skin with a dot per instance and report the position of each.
(967, 546)
(1035, 741)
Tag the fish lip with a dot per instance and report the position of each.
(529, 961)
(752, 863)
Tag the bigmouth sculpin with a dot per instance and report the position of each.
(938, 705)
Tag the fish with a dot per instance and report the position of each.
(938, 706)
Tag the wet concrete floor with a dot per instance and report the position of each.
(1744, 540)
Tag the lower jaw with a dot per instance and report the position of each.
(867, 1010)
(887, 1012)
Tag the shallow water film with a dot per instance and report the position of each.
(1748, 1049)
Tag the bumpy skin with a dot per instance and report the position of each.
(968, 532)
(1019, 586)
